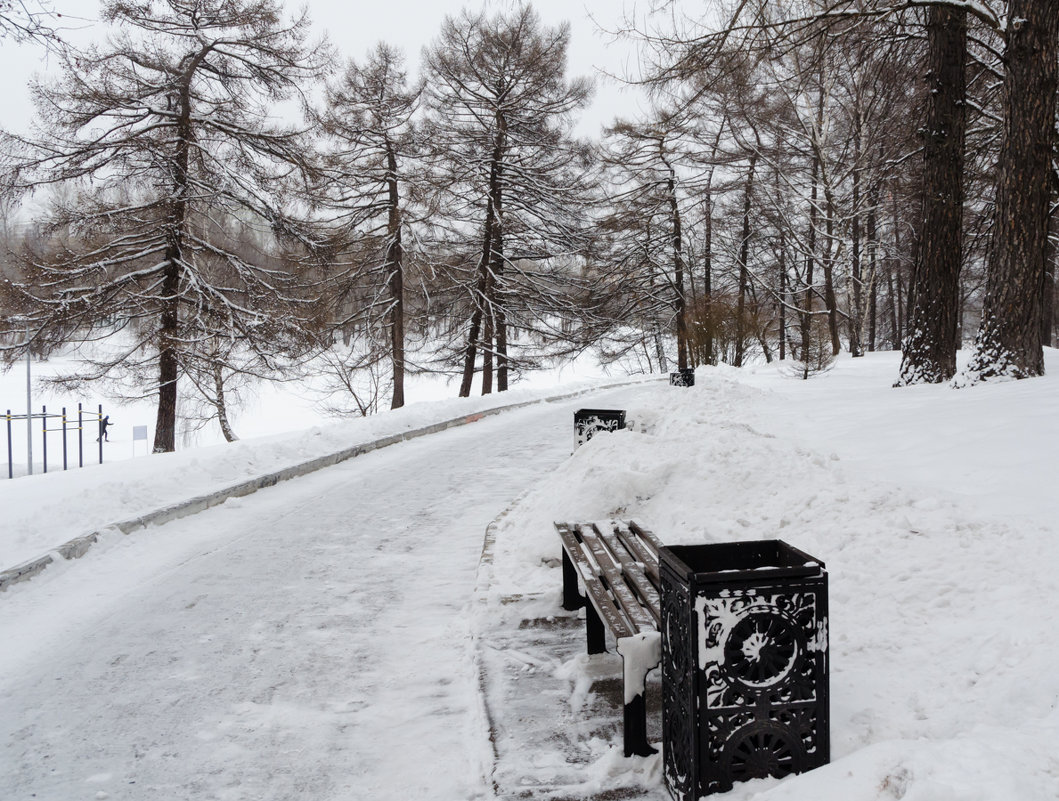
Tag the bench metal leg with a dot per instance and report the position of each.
(597, 634)
(572, 598)
(640, 655)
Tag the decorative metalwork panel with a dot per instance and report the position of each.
(588, 422)
(760, 641)
(758, 677)
(678, 691)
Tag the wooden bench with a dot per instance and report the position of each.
(611, 569)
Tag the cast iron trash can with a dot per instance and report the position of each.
(683, 378)
(744, 664)
(588, 421)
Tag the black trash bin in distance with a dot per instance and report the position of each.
(744, 664)
(683, 378)
(588, 421)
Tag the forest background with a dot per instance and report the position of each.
(212, 195)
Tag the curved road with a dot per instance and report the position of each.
(311, 641)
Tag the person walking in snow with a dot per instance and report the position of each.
(103, 424)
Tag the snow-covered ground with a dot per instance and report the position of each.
(282, 425)
(329, 638)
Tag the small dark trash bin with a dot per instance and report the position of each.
(683, 378)
(588, 421)
(744, 664)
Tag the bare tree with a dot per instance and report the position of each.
(369, 118)
(29, 20)
(645, 252)
(506, 167)
(162, 137)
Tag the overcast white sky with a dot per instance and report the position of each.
(354, 27)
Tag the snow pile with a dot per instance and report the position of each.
(933, 511)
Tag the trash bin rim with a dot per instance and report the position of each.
(797, 564)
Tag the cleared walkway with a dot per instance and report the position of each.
(310, 641)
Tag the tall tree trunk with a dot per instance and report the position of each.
(827, 262)
(497, 294)
(873, 267)
(474, 332)
(480, 293)
(893, 275)
(810, 263)
(487, 340)
(783, 295)
(744, 256)
(677, 244)
(1048, 290)
(707, 277)
(169, 323)
(488, 239)
(660, 348)
(1009, 337)
(489, 314)
(929, 349)
(168, 365)
(395, 265)
(855, 313)
(221, 404)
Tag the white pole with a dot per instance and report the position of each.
(29, 410)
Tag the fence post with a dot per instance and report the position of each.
(64, 437)
(44, 434)
(10, 461)
(80, 438)
(101, 433)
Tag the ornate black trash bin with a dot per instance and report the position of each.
(744, 664)
(683, 378)
(588, 421)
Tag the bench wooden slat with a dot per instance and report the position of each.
(612, 570)
(647, 536)
(652, 600)
(598, 592)
(643, 545)
(636, 564)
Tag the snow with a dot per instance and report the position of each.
(83, 500)
(640, 654)
(342, 635)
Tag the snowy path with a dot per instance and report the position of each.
(278, 646)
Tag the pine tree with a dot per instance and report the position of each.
(509, 177)
(159, 140)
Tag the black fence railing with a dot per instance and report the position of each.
(61, 424)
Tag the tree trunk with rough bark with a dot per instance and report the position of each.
(221, 404)
(1048, 290)
(677, 244)
(482, 289)
(395, 264)
(744, 256)
(1008, 344)
(707, 276)
(929, 347)
(169, 323)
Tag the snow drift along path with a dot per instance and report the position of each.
(312, 641)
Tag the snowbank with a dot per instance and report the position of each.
(935, 513)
